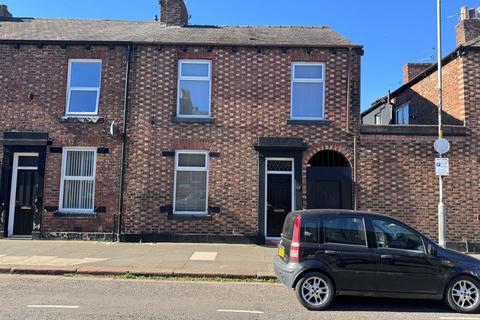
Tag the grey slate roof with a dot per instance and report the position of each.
(33, 29)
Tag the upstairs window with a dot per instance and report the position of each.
(194, 88)
(191, 182)
(83, 90)
(308, 91)
(77, 188)
(402, 114)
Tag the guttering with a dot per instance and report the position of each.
(124, 143)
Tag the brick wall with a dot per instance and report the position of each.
(42, 72)
(397, 177)
(423, 97)
(411, 70)
(173, 12)
(250, 99)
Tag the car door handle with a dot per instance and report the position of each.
(387, 258)
(331, 252)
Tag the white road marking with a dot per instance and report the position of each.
(52, 306)
(203, 256)
(459, 318)
(241, 311)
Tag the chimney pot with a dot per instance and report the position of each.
(173, 13)
(468, 28)
(4, 13)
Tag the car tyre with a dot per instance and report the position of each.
(463, 294)
(315, 291)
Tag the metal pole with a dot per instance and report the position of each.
(441, 205)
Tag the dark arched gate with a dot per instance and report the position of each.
(329, 181)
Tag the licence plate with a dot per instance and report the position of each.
(281, 252)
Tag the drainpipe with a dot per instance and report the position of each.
(349, 132)
(124, 144)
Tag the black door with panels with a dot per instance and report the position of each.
(279, 202)
(24, 202)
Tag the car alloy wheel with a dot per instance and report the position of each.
(465, 294)
(314, 291)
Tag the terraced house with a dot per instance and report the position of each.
(164, 130)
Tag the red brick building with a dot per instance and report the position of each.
(163, 130)
(403, 125)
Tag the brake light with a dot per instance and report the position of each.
(295, 246)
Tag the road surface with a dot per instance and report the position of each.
(49, 297)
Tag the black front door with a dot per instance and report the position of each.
(329, 188)
(279, 202)
(24, 202)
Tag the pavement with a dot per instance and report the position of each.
(42, 297)
(141, 259)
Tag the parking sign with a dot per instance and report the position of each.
(442, 167)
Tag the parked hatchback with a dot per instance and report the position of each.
(324, 253)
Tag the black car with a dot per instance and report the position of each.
(324, 253)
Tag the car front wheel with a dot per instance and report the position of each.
(463, 294)
(314, 291)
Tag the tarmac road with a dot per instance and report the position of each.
(51, 297)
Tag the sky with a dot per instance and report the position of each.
(393, 32)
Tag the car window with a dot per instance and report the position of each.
(345, 230)
(309, 231)
(288, 226)
(389, 234)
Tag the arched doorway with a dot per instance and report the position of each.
(329, 181)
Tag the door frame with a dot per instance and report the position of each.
(267, 172)
(13, 186)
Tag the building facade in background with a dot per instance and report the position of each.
(165, 131)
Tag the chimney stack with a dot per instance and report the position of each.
(411, 70)
(469, 26)
(173, 13)
(4, 13)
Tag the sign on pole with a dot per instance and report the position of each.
(442, 167)
(441, 145)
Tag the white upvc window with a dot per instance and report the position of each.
(83, 87)
(402, 115)
(308, 91)
(191, 183)
(77, 188)
(194, 88)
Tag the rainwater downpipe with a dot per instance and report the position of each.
(124, 144)
(349, 132)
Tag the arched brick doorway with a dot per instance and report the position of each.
(329, 181)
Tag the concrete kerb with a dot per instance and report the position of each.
(110, 271)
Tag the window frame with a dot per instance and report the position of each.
(398, 223)
(63, 177)
(402, 108)
(301, 80)
(197, 78)
(197, 169)
(70, 88)
(324, 233)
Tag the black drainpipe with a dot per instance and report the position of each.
(124, 144)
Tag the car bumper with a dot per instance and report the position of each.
(286, 272)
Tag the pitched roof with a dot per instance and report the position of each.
(33, 29)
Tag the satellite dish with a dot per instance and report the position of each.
(112, 128)
(441, 145)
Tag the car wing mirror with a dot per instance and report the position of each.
(431, 250)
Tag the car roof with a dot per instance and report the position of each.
(321, 212)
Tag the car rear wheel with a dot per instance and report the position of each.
(463, 294)
(314, 291)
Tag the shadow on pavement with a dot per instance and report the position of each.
(387, 305)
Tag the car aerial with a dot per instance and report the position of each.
(325, 253)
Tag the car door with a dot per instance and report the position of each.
(403, 264)
(346, 251)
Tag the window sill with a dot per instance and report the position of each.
(81, 119)
(59, 214)
(193, 120)
(308, 122)
(189, 217)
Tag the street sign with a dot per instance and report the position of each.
(442, 167)
(441, 145)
